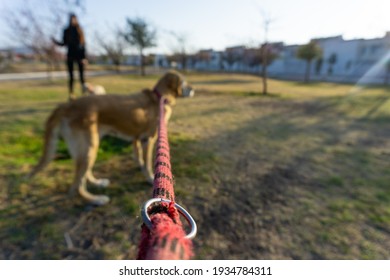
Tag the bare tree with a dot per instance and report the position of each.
(268, 53)
(140, 35)
(27, 28)
(181, 51)
(265, 51)
(113, 48)
(34, 29)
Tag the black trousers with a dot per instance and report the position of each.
(70, 61)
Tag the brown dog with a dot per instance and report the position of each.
(83, 122)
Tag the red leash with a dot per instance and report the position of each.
(163, 236)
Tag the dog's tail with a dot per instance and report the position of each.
(52, 130)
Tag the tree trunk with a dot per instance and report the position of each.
(184, 62)
(264, 65)
(307, 75)
(142, 63)
(264, 78)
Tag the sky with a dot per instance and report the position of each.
(218, 24)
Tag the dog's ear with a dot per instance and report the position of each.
(170, 85)
(173, 82)
(178, 85)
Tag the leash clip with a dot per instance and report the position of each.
(180, 209)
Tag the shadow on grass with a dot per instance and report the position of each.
(251, 178)
(240, 93)
(281, 196)
(224, 82)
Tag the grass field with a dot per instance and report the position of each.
(300, 174)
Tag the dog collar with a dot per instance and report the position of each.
(160, 96)
(156, 92)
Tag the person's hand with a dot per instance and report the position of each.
(84, 62)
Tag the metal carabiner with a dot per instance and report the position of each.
(180, 209)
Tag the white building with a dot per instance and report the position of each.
(342, 60)
(207, 60)
(363, 60)
(132, 59)
(161, 61)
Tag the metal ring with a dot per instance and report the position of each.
(182, 211)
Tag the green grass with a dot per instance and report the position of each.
(299, 174)
(191, 165)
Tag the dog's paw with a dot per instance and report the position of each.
(100, 200)
(150, 179)
(103, 183)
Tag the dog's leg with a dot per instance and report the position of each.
(88, 143)
(148, 155)
(102, 182)
(73, 148)
(168, 113)
(138, 155)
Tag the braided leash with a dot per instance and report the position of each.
(163, 236)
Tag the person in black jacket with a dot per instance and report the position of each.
(74, 40)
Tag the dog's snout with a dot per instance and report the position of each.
(188, 92)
